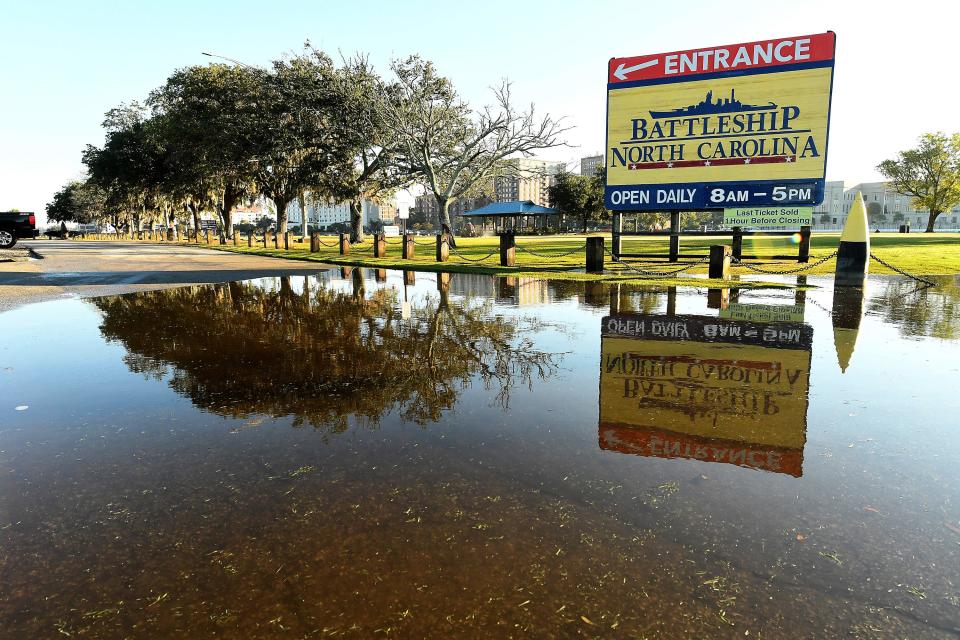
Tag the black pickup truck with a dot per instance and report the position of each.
(15, 225)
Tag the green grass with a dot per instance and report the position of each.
(921, 254)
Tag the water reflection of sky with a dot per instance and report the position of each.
(179, 500)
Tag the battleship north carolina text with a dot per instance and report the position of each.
(686, 135)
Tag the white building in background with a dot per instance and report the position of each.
(886, 209)
(325, 214)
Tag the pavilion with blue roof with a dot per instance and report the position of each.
(520, 213)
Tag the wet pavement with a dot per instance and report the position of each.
(88, 268)
(364, 453)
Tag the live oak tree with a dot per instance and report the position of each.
(129, 166)
(297, 138)
(372, 165)
(77, 201)
(453, 147)
(579, 196)
(929, 173)
(208, 115)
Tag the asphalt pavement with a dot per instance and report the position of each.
(85, 269)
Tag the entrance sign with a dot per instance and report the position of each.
(768, 218)
(706, 388)
(741, 125)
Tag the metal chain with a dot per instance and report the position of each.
(778, 272)
(653, 274)
(902, 272)
(463, 257)
(554, 255)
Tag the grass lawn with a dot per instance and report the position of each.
(918, 253)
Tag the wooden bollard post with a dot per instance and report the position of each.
(443, 248)
(236, 238)
(169, 234)
(223, 239)
(410, 278)
(443, 284)
(737, 242)
(250, 239)
(206, 236)
(286, 240)
(379, 245)
(508, 249)
(408, 246)
(276, 240)
(804, 253)
(718, 298)
(266, 238)
(720, 261)
(380, 275)
(595, 254)
(315, 242)
(344, 244)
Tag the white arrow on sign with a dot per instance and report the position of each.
(622, 71)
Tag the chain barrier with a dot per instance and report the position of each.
(653, 274)
(552, 255)
(902, 272)
(780, 272)
(335, 243)
(454, 251)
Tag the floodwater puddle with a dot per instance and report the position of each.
(363, 453)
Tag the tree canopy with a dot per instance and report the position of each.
(930, 173)
(302, 128)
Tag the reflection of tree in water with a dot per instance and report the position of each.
(917, 311)
(238, 349)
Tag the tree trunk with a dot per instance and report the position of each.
(195, 212)
(304, 218)
(446, 225)
(931, 220)
(356, 221)
(585, 224)
(225, 210)
(281, 205)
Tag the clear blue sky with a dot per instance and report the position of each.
(64, 63)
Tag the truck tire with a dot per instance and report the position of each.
(7, 239)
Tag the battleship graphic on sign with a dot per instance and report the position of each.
(708, 107)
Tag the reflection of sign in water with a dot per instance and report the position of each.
(706, 388)
(738, 125)
(763, 312)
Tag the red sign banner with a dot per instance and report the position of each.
(734, 58)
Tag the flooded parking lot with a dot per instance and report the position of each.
(364, 453)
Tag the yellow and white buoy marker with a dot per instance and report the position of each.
(853, 256)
